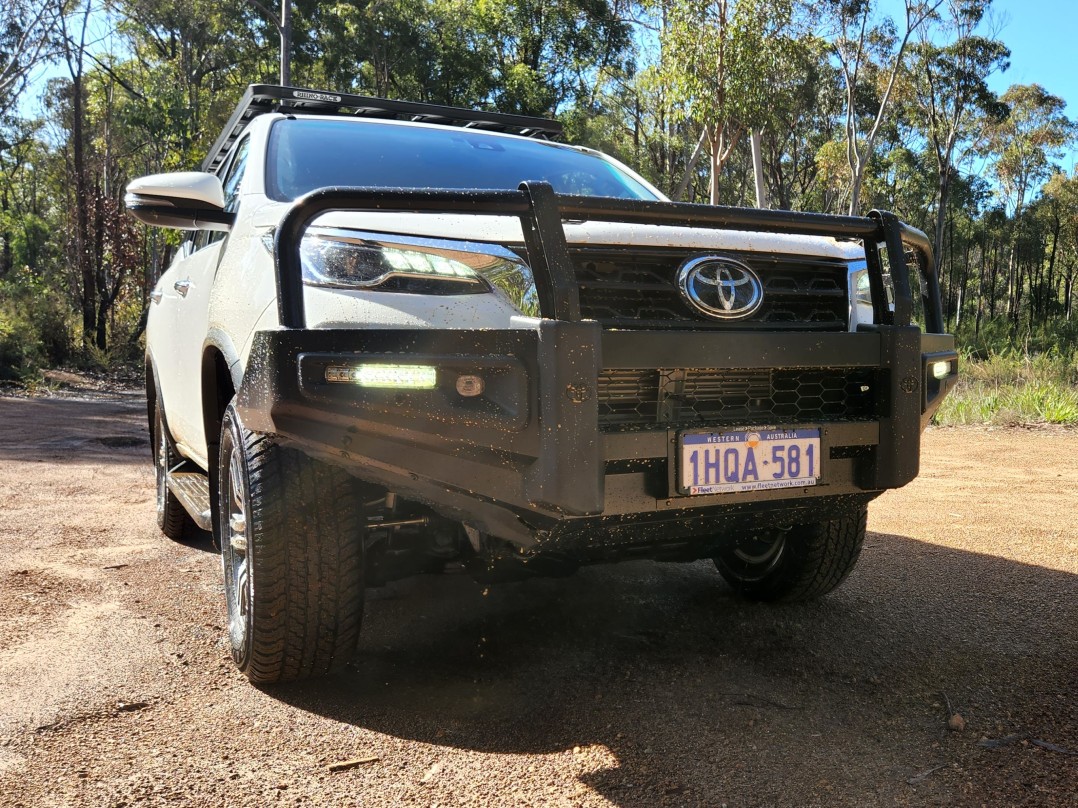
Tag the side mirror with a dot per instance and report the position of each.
(187, 200)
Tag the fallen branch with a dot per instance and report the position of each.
(345, 765)
(920, 778)
(1051, 747)
(996, 743)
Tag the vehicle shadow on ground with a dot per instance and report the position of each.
(666, 689)
(198, 539)
(78, 431)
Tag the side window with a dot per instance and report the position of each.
(234, 175)
(231, 184)
(187, 246)
(203, 238)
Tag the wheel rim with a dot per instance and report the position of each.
(234, 551)
(754, 557)
(161, 464)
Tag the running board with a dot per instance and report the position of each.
(193, 492)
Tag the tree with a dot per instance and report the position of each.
(724, 55)
(802, 119)
(1023, 145)
(1061, 192)
(547, 52)
(1026, 141)
(26, 42)
(73, 38)
(951, 90)
(870, 58)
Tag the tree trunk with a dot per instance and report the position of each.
(758, 170)
(943, 193)
(5, 236)
(103, 302)
(716, 165)
(855, 190)
(84, 266)
(1051, 291)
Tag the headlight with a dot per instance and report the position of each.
(860, 290)
(353, 259)
(861, 293)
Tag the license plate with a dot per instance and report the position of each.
(748, 460)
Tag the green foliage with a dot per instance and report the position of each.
(35, 327)
(725, 64)
(1012, 388)
(1055, 338)
(1027, 140)
(1004, 384)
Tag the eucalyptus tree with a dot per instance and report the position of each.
(73, 28)
(1024, 143)
(182, 63)
(422, 50)
(725, 58)
(547, 53)
(870, 56)
(1061, 193)
(951, 98)
(27, 41)
(1022, 147)
(633, 112)
(803, 114)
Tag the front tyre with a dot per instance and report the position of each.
(798, 563)
(290, 530)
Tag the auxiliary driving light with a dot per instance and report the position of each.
(469, 386)
(941, 370)
(408, 377)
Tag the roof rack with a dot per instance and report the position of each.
(262, 98)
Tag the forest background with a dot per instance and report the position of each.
(856, 105)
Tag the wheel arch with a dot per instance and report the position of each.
(151, 394)
(221, 376)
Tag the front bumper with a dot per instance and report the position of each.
(528, 460)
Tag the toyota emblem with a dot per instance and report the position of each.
(720, 287)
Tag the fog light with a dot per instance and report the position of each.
(410, 377)
(469, 386)
(941, 370)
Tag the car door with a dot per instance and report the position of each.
(188, 290)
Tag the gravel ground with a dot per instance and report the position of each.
(633, 685)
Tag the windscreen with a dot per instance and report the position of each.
(307, 154)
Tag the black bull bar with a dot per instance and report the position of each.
(538, 450)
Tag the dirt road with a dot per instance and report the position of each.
(633, 685)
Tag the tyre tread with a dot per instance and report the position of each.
(306, 528)
(173, 519)
(819, 557)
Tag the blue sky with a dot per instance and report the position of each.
(1041, 36)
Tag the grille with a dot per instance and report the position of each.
(640, 399)
(631, 288)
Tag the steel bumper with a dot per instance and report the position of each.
(527, 458)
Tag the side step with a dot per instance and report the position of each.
(193, 492)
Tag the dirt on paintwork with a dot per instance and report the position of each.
(634, 685)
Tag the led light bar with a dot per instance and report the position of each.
(400, 377)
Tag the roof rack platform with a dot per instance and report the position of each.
(262, 98)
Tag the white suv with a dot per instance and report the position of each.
(403, 338)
